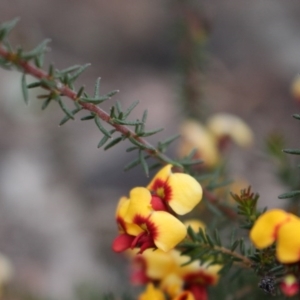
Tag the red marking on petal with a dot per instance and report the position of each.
(121, 223)
(152, 229)
(167, 189)
(122, 242)
(276, 228)
(200, 277)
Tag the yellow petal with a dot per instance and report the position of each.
(167, 231)
(152, 293)
(162, 176)
(229, 125)
(122, 207)
(139, 204)
(288, 242)
(186, 192)
(172, 284)
(264, 232)
(158, 263)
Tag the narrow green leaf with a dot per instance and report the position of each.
(145, 115)
(149, 133)
(103, 141)
(112, 93)
(289, 195)
(89, 117)
(34, 85)
(132, 148)
(64, 108)
(41, 48)
(46, 102)
(132, 164)
(118, 108)
(5, 28)
(144, 163)
(79, 93)
(130, 109)
(67, 118)
(79, 71)
(48, 83)
(170, 140)
(124, 122)
(234, 245)
(113, 143)
(69, 70)
(217, 237)
(292, 151)
(192, 234)
(209, 240)
(97, 88)
(140, 145)
(242, 246)
(296, 116)
(100, 126)
(24, 88)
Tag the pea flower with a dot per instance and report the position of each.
(196, 136)
(289, 285)
(143, 227)
(180, 191)
(265, 230)
(178, 281)
(278, 226)
(224, 125)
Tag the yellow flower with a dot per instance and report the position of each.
(196, 136)
(180, 191)
(143, 227)
(266, 228)
(224, 125)
(152, 293)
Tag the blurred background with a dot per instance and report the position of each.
(58, 191)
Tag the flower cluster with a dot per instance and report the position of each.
(278, 226)
(171, 276)
(147, 218)
(210, 139)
